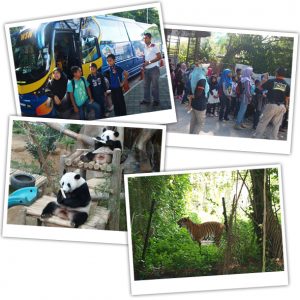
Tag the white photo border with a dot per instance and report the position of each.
(157, 117)
(238, 143)
(67, 234)
(206, 283)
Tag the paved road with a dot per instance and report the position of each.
(212, 125)
(136, 94)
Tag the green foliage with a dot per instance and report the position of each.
(27, 167)
(263, 53)
(246, 247)
(149, 15)
(18, 127)
(75, 127)
(46, 139)
(67, 141)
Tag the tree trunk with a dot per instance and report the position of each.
(264, 225)
(273, 228)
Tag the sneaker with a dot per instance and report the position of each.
(155, 103)
(243, 125)
(237, 127)
(144, 102)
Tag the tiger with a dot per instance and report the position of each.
(201, 231)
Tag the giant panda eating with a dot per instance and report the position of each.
(109, 140)
(73, 200)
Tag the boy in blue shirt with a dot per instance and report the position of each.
(80, 94)
(98, 87)
(117, 78)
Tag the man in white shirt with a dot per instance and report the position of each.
(151, 71)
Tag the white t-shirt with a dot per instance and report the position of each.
(150, 54)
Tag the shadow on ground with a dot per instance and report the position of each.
(213, 126)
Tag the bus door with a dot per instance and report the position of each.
(90, 53)
(66, 50)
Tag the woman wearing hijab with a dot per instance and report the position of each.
(245, 97)
(56, 90)
(225, 94)
(198, 99)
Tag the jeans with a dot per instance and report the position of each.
(100, 101)
(89, 106)
(225, 108)
(241, 113)
(151, 80)
(197, 120)
(271, 113)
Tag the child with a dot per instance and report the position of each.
(117, 78)
(98, 87)
(213, 98)
(80, 94)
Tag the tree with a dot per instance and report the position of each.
(263, 53)
(273, 226)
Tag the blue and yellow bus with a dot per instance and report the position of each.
(37, 51)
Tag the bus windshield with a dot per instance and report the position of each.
(31, 63)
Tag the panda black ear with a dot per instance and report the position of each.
(116, 133)
(77, 176)
(64, 172)
(104, 129)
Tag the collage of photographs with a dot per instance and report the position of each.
(100, 96)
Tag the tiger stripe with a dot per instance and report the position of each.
(204, 230)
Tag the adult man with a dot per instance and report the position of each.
(278, 96)
(151, 71)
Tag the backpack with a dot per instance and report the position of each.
(239, 88)
(73, 85)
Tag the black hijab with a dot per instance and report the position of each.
(57, 87)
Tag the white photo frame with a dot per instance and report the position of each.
(67, 234)
(156, 117)
(206, 283)
(237, 143)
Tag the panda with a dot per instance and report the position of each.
(73, 200)
(110, 140)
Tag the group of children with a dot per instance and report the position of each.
(77, 97)
(228, 93)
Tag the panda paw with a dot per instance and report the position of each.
(46, 215)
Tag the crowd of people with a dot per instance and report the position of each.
(232, 94)
(101, 93)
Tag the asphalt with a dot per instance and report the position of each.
(213, 126)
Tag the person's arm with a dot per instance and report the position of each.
(90, 94)
(125, 75)
(248, 90)
(157, 58)
(73, 102)
(287, 96)
(71, 93)
(103, 83)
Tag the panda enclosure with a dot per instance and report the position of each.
(141, 153)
